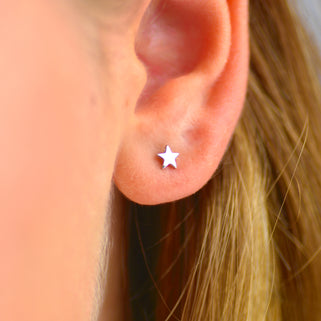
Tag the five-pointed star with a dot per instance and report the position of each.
(169, 157)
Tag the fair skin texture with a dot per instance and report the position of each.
(90, 93)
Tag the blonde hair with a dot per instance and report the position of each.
(247, 245)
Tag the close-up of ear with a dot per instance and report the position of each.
(195, 55)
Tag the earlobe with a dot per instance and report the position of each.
(196, 58)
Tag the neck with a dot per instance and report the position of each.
(114, 271)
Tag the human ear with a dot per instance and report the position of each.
(196, 56)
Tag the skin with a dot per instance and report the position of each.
(88, 97)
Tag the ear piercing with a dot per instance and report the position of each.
(169, 157)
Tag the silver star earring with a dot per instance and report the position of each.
(169, 157)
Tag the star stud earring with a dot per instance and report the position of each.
(169, 157)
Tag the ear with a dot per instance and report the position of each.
(196, 56)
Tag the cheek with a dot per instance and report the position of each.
(57, 155)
